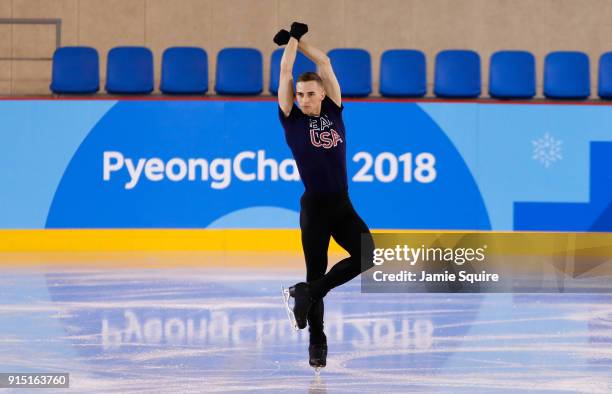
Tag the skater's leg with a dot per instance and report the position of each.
(314, 226)
(315, 229)
(315, 322)
(347, 230)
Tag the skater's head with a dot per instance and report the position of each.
(310, 93)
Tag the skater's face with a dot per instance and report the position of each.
(309, 95)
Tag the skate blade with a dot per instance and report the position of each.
(290, 314)
(317, 370)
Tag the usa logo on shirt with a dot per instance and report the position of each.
(321, 133)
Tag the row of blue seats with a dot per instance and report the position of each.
(239, 71)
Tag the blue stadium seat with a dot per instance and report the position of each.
(239, 71)
(75, 70)
(605, 76)
(353, 69)
(129, 70)
(457, 74)
(302, 64)
(512, 75)
(403, 73)
(566, 75)
(184, 71)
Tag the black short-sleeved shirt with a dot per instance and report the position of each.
(318, 144)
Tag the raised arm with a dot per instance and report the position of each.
(285, 84)
(326, 72)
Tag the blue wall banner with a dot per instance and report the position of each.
(225, 164)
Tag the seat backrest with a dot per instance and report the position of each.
(353, 68)
(129, 70)
(512, 74)
(604, 84)
(75, 70)
(403, 73)
(239, 71)
(457, 74)
(302, 64)
(184, 71)
(566, 75)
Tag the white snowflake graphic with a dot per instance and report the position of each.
(547, 150)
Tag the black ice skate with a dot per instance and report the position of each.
(318, 356)
(302, 303)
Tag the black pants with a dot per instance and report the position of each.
(322, 217)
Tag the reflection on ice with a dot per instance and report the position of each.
(235, 329)
(205, 331)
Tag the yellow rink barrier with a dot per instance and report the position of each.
(274, 240)
(195, 247)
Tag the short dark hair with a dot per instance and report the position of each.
(310, 76)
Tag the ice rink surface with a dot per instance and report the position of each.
(201, 330)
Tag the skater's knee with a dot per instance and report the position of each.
(367, 252)
(362, 259)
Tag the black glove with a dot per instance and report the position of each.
(298, 30)
(282, 37)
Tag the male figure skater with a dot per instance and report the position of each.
(315, 133)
